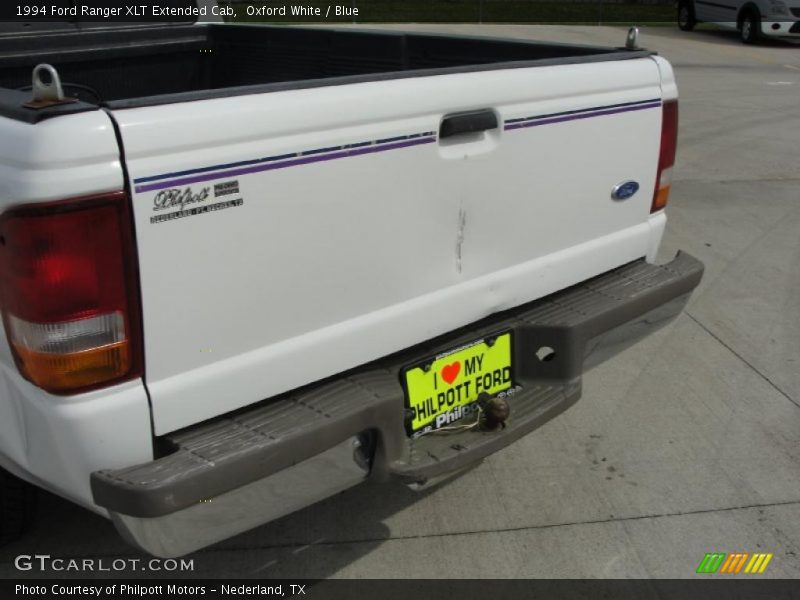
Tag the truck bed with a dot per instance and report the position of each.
(124, 67)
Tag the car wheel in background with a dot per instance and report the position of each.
(751, 27)
(686, 18)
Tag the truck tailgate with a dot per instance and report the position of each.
(287, 236)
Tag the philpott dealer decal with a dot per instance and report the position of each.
(176, 203)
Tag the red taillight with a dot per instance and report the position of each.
(666, 159)
(69, 292)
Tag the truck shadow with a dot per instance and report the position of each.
(731, 38)
(316, 542)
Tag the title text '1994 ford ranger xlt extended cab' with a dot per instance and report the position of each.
(245, 267)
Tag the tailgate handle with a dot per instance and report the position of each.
(467, 122)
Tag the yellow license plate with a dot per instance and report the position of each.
(443, 390)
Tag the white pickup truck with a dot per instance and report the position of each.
(246, 267)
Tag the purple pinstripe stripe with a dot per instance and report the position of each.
(160, 185)
(587, 115)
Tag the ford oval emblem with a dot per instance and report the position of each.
(624, 190)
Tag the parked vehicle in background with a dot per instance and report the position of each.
(753, 19)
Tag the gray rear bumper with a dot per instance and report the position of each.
(234, 473)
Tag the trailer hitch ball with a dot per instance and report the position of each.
(494, 412)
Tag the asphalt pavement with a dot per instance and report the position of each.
(685, 444)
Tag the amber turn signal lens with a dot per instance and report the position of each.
(662, 196)
(56, 372)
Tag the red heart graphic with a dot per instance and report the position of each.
(451, 371)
